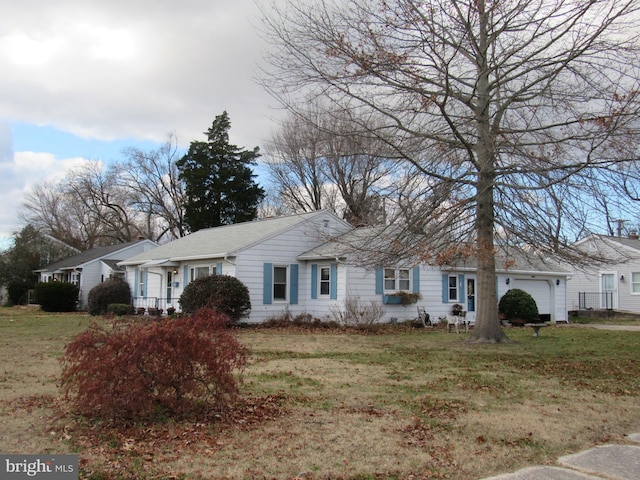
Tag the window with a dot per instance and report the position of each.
(198, 272)
(280, 283)
(398, 279)
(453, 288)
(635, 282)
(325, 280)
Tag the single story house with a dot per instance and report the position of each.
(298, 264)
(613, 284)
(92, 267)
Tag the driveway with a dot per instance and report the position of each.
(602, 326)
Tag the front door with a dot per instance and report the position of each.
(471, 297)
(607, 291)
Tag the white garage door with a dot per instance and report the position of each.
(540, 290)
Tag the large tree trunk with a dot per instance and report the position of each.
(487, 328)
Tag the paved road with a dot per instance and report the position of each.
(613, 462)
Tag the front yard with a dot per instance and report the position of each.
(324, 404)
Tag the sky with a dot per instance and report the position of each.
(82, 80)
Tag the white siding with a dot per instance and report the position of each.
(625, 261)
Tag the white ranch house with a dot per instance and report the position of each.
(297, 264)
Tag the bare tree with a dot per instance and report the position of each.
(154, 189)
(323, 160)
(53, 211)
(94, 206)
(493, 103)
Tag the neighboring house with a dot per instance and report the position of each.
(91, 267)
(298, 264)
(612, 285)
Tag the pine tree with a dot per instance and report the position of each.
(220, 186)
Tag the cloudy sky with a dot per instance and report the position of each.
(85, 79)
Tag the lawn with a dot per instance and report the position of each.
(322, 404)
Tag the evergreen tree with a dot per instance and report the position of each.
(219, 183)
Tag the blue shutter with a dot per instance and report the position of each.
(333, 289)
(314, 281)
(267, 285)
(461, 286)
(445, 288)
(293, 289)
(218, 268)
(136, 281)
(185, 276)
(416, 279)
(379, 281)
(145, 286)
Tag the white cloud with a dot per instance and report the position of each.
(17, 177)
(118, 69)
(142, 69)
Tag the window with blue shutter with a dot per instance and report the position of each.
(267, 286)
(452, 288)
(416, 279)
(379, 281)
(314, 281)
(293, 289)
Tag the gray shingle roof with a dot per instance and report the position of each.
(221, 241)
(85, 257)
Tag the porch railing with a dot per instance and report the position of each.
(595, 301)
(154, 302)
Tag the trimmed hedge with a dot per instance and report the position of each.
(57, 296)
(120, 309)
(111, 291)
(519, 307)
(222, 293)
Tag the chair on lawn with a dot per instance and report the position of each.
(424, 317)
(457, 320)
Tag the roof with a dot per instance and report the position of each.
(515, 260)
(220, 242)
(351, 242)
(633, 243)
(82, 258)
(518, 261)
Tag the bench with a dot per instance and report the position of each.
(536, 327)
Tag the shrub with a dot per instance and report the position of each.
(57, 296)
(18, 292)
(111, 291)
(138, 370)
(356, 312)
(120, 309)
(223, 293)
(519, 307)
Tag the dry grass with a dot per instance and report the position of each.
(325, 405)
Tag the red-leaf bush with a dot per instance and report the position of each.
(223, 293)
(136, 370)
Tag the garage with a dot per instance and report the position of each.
(540, 290)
